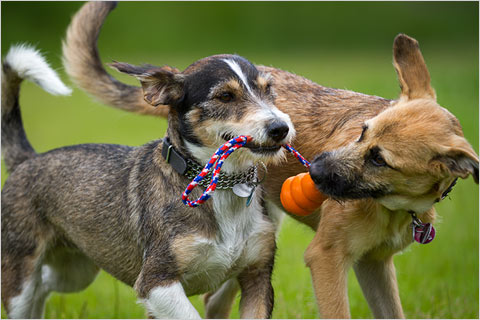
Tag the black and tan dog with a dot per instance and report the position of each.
(385, 159)
(70, 211)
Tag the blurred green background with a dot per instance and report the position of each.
(338, 44)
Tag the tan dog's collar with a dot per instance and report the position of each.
(446, 192)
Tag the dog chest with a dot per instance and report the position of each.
(244, 236)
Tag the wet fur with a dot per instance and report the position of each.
(330, 124)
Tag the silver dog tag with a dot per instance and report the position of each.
(243, 190)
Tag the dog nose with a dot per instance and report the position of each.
(317, 169)
(326, 177)
(323, 172)
(277, 130)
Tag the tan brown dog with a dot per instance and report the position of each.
(385, 160)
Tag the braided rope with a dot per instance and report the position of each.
(219, 157)
(297, 155)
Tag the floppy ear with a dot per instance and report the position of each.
(460, 159)
(161, 85)
(411, 69)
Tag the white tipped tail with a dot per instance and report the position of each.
(28, 63)
(22, 62)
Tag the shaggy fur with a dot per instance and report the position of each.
(70, 211)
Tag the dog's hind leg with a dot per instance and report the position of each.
(60, 270)
(65, 269)
(35, 262)
(28, 281)
(24, 241)
(218, 304)
(26, 300)
(379, 284)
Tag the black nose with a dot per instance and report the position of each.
(277, 130)
(318, 169)
(325, 176)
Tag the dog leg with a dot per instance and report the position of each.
(26, 298)
(67, 270)
(28, 304)
(328, 267)
(379, 284)
(257, 294)
(169, 301)
(25, 237)
(40, 296)
(218, 304)
(160, 290)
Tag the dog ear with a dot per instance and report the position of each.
(460, 159)
(411, 69)
(161, 85)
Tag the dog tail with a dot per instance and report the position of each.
(82, 62)
(22, 62)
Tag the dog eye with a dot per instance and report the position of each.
(226, 96)
(268, 88)
(378, 160)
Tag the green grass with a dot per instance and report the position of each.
(348, 46)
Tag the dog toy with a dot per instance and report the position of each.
(298, 196)
(218, 157)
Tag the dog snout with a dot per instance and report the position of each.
(319, 170)
(326, 177)
(277, 130)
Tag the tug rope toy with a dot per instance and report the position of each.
(218, 157)
(299, 194)
(297, 155)
(217, 160)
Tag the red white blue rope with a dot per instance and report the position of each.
(297, 155)
(219, 157)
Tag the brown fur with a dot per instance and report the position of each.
(77, 55)
(421, 141)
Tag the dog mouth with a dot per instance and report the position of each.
(342, 190)
(257, 148)
(350, 194)
(339, 187)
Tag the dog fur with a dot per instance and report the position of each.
(70, 211)
(379, 160)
